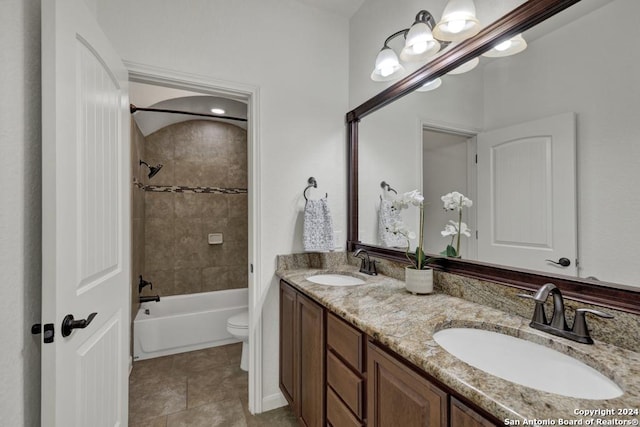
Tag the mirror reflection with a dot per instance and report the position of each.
(554, 128)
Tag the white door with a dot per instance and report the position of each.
(527, 195)
(85, 231)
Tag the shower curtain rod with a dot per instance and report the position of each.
(133, 109)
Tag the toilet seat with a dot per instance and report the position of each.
(239, 321)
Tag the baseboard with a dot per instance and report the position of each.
(273, 401)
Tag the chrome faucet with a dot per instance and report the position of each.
(558, 324)
(367, 266)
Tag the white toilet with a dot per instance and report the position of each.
(238, 326)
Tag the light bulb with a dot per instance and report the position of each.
(217, 111)
(456, 26)
(503, 46)
(420, 47)
(386, 70)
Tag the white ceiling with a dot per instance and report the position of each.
(146, 95)
(344, 8)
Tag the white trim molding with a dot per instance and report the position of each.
(251, 95)
(273, 401)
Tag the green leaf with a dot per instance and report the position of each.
(450, 251)
(421, 257)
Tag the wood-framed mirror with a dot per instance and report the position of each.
(614, 294)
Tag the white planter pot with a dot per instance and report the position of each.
(418, 281)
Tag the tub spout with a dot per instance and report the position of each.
(150, 298)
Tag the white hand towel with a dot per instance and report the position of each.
(317, 234)
(387, 216)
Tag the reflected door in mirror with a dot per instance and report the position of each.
(526, 194)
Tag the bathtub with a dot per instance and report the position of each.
(183, 323)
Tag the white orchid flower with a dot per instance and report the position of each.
(449, 230)
(452, 229)
(456, 201)
(464, 229)
(407, 199)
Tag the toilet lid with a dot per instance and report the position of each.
(240, 320)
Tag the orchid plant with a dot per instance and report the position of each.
(404, 201)
(455, 201)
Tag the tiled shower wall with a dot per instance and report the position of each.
(178, 258)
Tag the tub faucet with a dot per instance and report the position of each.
(558, 324)
(142, 283)
(367, 266)
(149, 298)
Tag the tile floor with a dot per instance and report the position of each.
(202, 388)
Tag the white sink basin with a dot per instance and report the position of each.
(335, 280)
(526, 363)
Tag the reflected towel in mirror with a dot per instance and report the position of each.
(387, 216)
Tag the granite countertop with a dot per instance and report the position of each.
(405, 323)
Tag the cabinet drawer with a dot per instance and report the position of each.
(346, 341)
(346, 384)
(337, 413)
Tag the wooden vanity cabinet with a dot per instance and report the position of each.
(397, 396)
(340, 377)
(302, 353)
(463, 416)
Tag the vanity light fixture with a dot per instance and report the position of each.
(508, 47)
(420, 40)
(217, 111)
(430, 85)
(388, 65)
(458, 21)
(467, 66)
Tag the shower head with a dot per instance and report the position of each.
(153, 170)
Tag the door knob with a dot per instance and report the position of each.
(562, 262)
(69, 324)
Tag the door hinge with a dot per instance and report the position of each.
(48, 331)
(476, 234)
(251, 267)
(476, 159)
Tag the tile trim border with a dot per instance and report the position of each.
(187, 189)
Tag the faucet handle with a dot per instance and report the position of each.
(580, 328)
(539, 316)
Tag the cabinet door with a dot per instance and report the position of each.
(397, 396)
(287, 344)
(463, 416)
(310, 351)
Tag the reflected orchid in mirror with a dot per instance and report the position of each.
(455, 201)
(405, 200)
(452, 229)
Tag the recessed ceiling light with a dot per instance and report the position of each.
(217, 111)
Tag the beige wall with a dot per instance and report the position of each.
(178, 258)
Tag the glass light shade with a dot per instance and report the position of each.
(509, 47)
(387, 66)
(217, 111)
(458, 21)
(467, 66)
(420, 43)
(430, 85)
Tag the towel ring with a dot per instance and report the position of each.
(312, 183)
(387, 187)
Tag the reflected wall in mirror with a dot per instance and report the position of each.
(559, 75)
